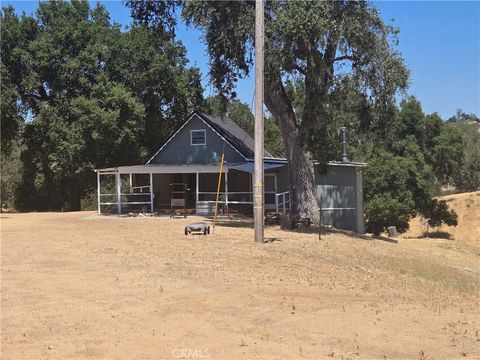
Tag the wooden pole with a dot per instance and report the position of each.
(258, 183)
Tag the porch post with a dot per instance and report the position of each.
(251, 187)
(98, 191)
(197, 180)
(130, 182)
(226, 190)
(151, 192)
(276, 192)
(118, 183)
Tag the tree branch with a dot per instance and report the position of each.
(300, 69)
(345, 57)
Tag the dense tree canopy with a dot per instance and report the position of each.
(467, 177)
(80, 94)
(401, 178)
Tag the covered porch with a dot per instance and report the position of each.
(146, 188)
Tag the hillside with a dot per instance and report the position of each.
(467, 206)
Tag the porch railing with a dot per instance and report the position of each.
(235, 197)
(282, 202)
(140, 189)
(137, 198)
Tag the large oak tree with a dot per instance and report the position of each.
(80, 94)
(316, 42)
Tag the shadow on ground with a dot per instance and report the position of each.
(246, 222)
(438, 235)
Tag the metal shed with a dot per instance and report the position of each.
(340, 194)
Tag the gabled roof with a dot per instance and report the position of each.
(233, 133)
(225, 128)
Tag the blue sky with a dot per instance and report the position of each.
(440, 41)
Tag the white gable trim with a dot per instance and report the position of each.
(181, 127)
(171, 137)
(216, 132)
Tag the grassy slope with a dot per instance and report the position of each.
(467, 206)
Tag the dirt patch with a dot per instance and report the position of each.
(79, 286)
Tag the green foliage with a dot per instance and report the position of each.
(468, 176)
(80, 94)
(233, 108)
(307, 43)
(405, 161)
(438, 213)
(155, 72)
(389, 201)
(74, 138)
(447, 154)
(89, 201)
(16, 80)
(273, 138)
(11, 168)
(11, 121)
(441, 145)
(398, 185)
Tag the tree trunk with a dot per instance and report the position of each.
(300, 163)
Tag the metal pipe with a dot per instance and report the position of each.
(344, 144)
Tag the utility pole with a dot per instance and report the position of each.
(258, 182)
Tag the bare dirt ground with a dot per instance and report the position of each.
(76, 286)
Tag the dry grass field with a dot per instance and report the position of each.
(78, 286)
(467, 206)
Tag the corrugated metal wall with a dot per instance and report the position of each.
(340, 189)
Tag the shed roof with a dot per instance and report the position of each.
(347, 163)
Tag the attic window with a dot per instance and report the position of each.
(198, 137)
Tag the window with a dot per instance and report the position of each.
(198, 137)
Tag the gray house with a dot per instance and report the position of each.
(192, 156)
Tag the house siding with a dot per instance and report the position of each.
(282, 179)
(179, 151)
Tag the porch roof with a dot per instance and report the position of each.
(250, 166)
(190, 168)
(163, 169)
